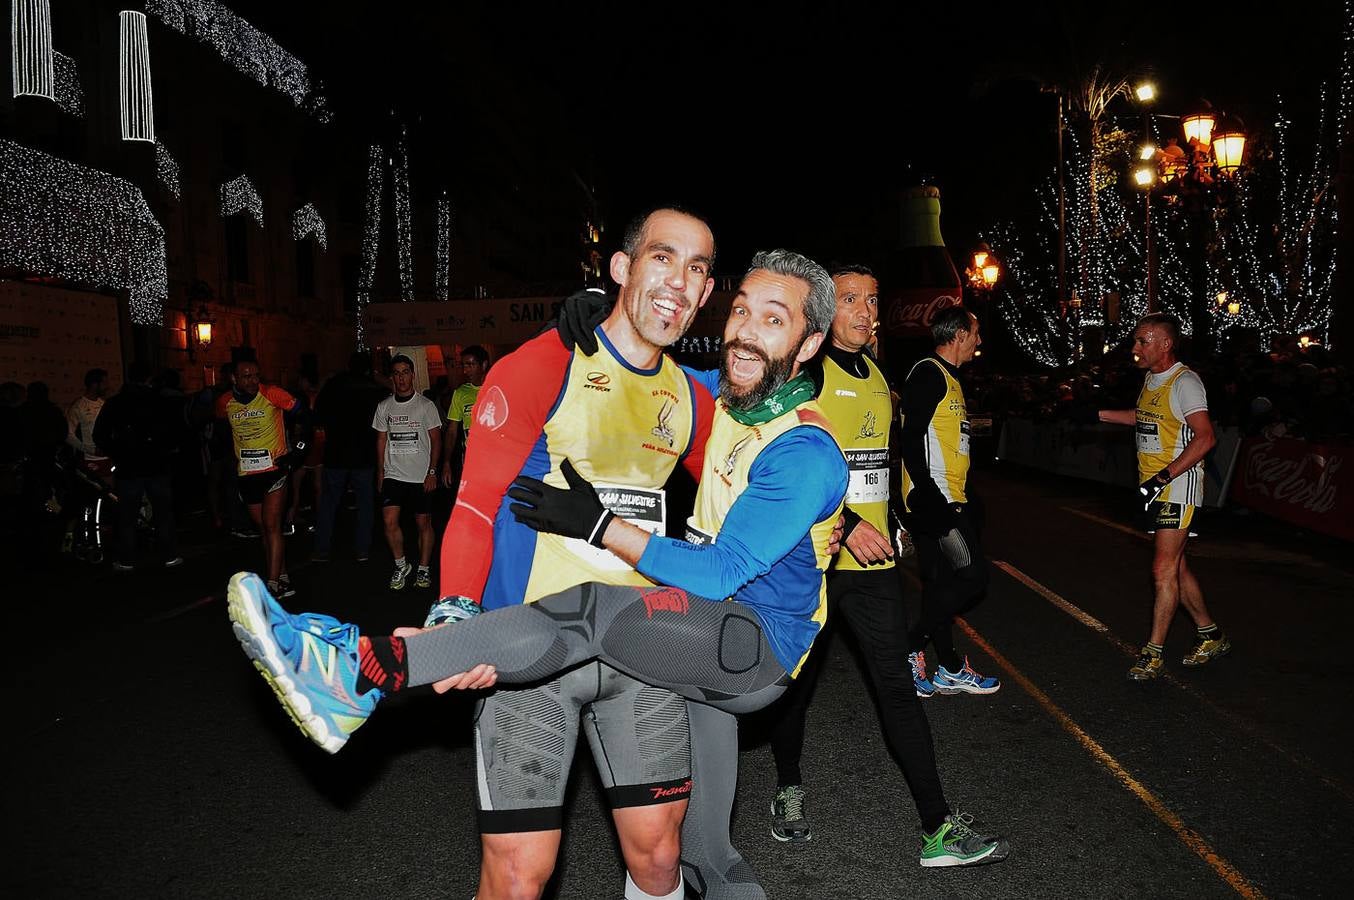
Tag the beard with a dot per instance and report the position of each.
(775, 372)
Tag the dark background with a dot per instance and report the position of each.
(791, 124)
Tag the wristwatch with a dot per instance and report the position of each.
(432, 471)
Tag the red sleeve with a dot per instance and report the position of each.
(694, 460)
(509, 415)
(278, 397)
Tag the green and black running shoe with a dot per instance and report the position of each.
(788, 822)
(957, 843)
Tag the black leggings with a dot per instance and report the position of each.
(954, 580)
(709, 651)
(870, 603)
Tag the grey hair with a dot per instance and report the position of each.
(949, 322)
(820, 307)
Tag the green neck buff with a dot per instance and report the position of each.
(789, 395)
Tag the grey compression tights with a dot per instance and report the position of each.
(712, 867)
(703, 650)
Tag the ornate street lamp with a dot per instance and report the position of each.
(1228, 149)
(201, 329)
(1199, 126)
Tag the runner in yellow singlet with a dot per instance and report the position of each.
(256, 414)
(1174, 434)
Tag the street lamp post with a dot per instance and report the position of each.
(1227, 147)
(983, 273)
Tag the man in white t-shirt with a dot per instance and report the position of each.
(408, 441)
(1173, 434)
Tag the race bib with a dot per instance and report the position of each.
(1149, 438)
(643, 507)
(963, 437)
(869, 475)
(402, 442)
(255, 461)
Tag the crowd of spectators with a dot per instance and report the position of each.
(169, 446)
(1293, 391)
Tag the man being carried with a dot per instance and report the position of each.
(864, 591)
(771, 488)
(935, 494)
(408, 441)
(1174, 435)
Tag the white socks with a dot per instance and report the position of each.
(633, 891)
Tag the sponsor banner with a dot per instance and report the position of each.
(1307, 484)
(457, 322)
(1103, 453)
(500, 322)
(55, 335)
(909, 313)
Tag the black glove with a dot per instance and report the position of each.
(929, 513)
(574, 512)
(1152, 487)
(579, 315)
(852, 519)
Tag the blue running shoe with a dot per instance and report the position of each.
(451, 609)
(917, 659)
(965, 681)
(309, 660)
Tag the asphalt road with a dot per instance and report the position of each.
(145, 758)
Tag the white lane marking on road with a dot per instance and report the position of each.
(1188, 836)
(1108, 523)
(1293, 756)
(1071, 609)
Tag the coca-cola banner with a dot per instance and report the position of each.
(1305, 483)
(909, 313)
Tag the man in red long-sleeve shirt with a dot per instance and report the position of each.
(540, 406)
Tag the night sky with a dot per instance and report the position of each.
(795, 124)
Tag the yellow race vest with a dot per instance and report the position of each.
(1161, 437)
(860, 410)
(729, 455)
(947, 439)
(624, 430)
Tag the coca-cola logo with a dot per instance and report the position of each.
(906, 314)
(1307, 481)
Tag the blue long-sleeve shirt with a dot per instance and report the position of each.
(764, 555)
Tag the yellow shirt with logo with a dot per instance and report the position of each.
(624, 430)
(257, 428)
(947, 441)
(860, 410)
(729, 454)
(1162, 434)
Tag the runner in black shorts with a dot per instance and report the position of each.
(408, 444)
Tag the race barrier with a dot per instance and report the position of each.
(1104, 453)
(1305, 483)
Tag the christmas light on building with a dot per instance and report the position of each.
(167, 170)
(70, 96)
(31, 49)
(242, 46)
(65, 221)
(138, 108)
(239, 195)
(442, 276)
(371, 236)
(404, 226)
(306, 223)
